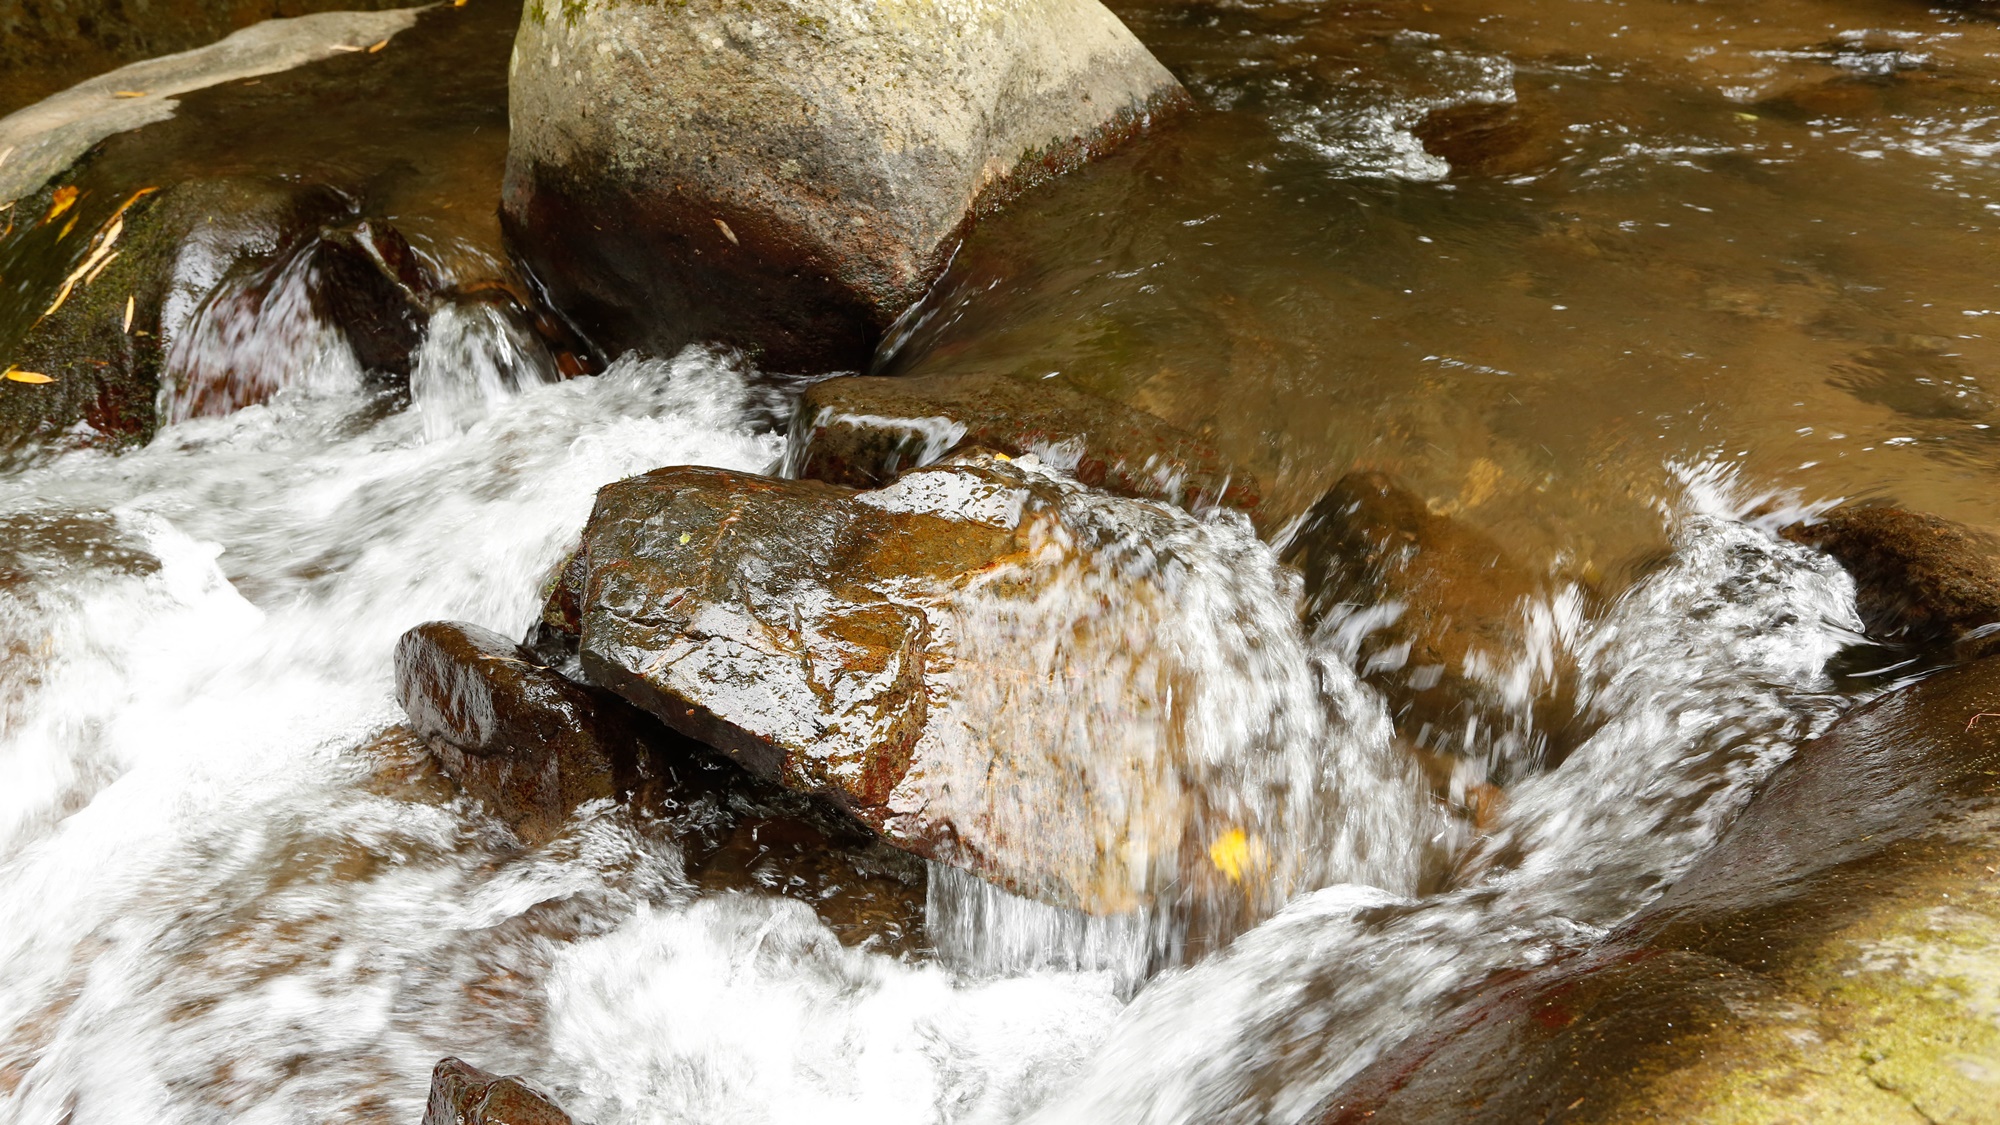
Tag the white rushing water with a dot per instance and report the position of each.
(226, 898)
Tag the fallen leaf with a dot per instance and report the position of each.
(4, 154)
(344, 47)
(91, 277)
(17, 375)
(64, 199)
(458, 3)
(128, 93)
(727, 233)
(128, 313)
(378, 46)
(100, 256)
(69, 226)
(1235, 854)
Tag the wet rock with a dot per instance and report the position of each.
(173, 247)
(1828, 959)
(1917, 577)
(462, 1094)
(43, 139)
(789, 177)
(896, 652)
(1493, 139)
(525, 741)
(371, 285)
(863, 431)
(1370, 542)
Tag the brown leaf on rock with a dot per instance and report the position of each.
(64, 199)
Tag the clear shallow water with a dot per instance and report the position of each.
(229, 895)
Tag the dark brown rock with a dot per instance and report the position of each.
(462, 1094)
(1917, 577)
(788, 177)
(1493, 139)
(886, 650)
(369, 284)
(1824, 961)
(527, 742)
(1370, 541)
(863, 431)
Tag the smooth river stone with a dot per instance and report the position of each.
(788, 176)
(972, 661)
(1918, 577)
(463, 1094)
(862, 431)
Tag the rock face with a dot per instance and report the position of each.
(1917, 577)
(462, 1094)
(863, 431)
(1828, 960)
(948, 658)
(790, 175)
(1371, 541)
(528, 743)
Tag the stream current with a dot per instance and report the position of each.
(232, 891)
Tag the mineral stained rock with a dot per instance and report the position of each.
(987, 663)
(1370, 541)
(790, 175)
(463, 1094)
(1827, 960)
(526, 742)
(1917, 577)
(862, 431)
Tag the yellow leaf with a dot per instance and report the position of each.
(91, 277)
(128, 314)
(128, 93)
(685, 537)
(378, 46)
(1235, 854)
(64, 199)
(19, 376)
(69, 226)
(727, 233)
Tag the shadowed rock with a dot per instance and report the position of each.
(462, 1094)
(1370, 542)
(528, 743)
(1917, 577)
(949, 658)
(1826, 960)
(789, 177)
(864, 431)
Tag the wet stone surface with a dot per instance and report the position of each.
(1827, 959)
(1919, 578)
(863, 431)
(462, 1094)
(891, 650)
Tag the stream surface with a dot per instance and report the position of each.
(1625, 285)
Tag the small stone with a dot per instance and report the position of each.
(528, 743)
(864, 431)
(462, 1094)
(1917, 577)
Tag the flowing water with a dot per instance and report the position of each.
(1624, 285)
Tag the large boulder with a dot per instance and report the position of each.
(1830, 959)
(790, 175)
(862, 431)
(953, 657)
(1918, 578)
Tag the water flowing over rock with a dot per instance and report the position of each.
(1918, 577)
(1825, 960)
(991, 665)
(790, 176)
(462, 1094)
(527, 742)
(862, 431)
(1421, 598)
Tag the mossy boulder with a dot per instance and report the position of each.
(788, 176)
(1832, 958)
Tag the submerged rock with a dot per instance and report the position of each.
(1917, 577)
(952, 659)
(463, 1094)
(1444, 593)
(526, 742)
(863, 431)
(1828, 959)
(790, 176)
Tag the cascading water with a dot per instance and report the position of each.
(229, 896)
